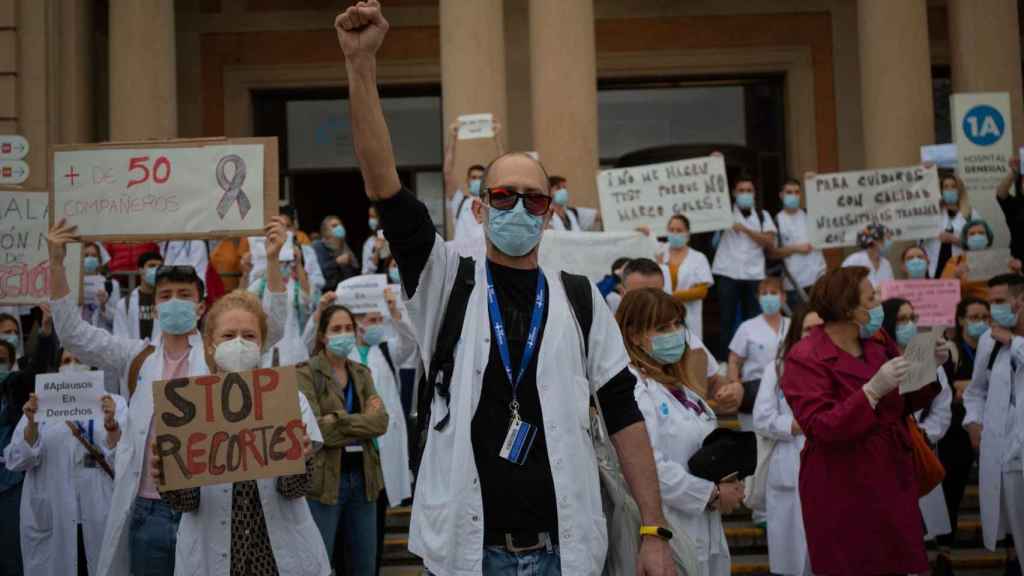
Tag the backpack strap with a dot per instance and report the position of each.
(387, 358)
(458, 211)
(442, 363)
(577, 290)
(136, 367)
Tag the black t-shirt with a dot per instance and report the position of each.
(147, 302)
(515, 497)
(351, 461)
(1013, 210)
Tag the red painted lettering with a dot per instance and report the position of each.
(264, 380)
(208, 382)
(193, 453)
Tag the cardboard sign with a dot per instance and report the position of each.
(984, 264)
(13, 147)
(476, 126)
(649, 195)
(592, 253)
(69, 396)
(226, 428)
(983, 133)
(934, 300)
(363, 294)
(24, 252)
(920, 352)
(905, 200)
(173, 190)
(13, 172)
(942, 155)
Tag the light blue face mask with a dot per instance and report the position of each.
(149, 276)
(177, 316)
(791, 201)
(770, 303)
(1003, 315)
(340, 345)
(90, 264)
(514, 232)
(905, 333)
(11, 339)
(876, 316)
(678, 240)
(977, 242)
(474, 187)
(951, 196)
(374, 334)
(976, 329)
(5, 370)
(916, 267)
(561, 197)
(745, 200)
(338, 231)
(886, 246)
(373, 222)
(394, 276)
(668, 348)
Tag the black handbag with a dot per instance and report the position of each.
(725, 452)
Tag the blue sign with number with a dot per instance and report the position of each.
(983, 125)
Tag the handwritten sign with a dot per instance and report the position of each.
(983, 132)
(363, 294)
(476, 126)
(649, 195)
(984, 264)
(905, 200)
(934, 300)
(920, 352)
(24, 253)
(69, 396)
(225, 428)
(942, 155)
(175, 190)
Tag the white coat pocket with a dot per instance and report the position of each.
(38, 529)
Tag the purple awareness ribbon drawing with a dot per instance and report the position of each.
(232, 188)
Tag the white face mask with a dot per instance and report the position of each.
(74, 367)
(238, 355)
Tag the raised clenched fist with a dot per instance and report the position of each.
(361, 29)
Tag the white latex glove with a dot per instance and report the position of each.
(886, 380)
(943, 351)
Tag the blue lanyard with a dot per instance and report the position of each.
(88, 433)
(502, 338)
(348, 396)
(970, 352)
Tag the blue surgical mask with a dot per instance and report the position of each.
(11, 339)
(338, 231)
(375, 334)
(905, 333)
(394, 275)
(474, 187)
(770, 303)
(340, 345)
(177, 316)
(668, 348)
(1003, 315)
(149, 276)
(515, 232)
(916, 267)
(561, 197)
(678, 240)
(790, 201)
(286, 271)
(90, 264)
(5, 370)
(976, 329)
(951, 196)
(977, 242)
(373, 222)
(876, 316)
(745, 200)
(886, 245)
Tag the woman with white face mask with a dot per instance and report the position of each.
(262, 527)
(347, 475)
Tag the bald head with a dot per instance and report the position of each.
(517, 170)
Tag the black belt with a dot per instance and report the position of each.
(522, 541)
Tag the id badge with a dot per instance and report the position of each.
(518, 442)
(89, 461)
(353, 448)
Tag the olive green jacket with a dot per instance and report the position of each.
(317, 382)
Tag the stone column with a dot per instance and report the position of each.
(563, 78)
(143, 78)
(76, 102)
(896, 81)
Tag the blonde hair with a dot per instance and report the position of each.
(234, 300)
(964, 205)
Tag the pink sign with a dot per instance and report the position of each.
(934, 300)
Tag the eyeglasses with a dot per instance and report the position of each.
(536, 203)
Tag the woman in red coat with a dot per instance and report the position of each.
(857, 483)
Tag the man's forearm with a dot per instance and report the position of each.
(58, 281)
(370, 131)
(636, 457)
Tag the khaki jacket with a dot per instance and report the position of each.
(317, 382)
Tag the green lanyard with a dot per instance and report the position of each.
(364, 354)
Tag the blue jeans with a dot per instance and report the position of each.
(154, 534)
(737, 302)
(501, 562)
(356, 517)
(10, 531)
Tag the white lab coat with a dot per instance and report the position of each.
(692, 271)
(368, 266)
(987, 402)
(447, 528)
(876, 275)
(677, 433)
(934, 426)
(465, 227)
(758, 345)
(126, 318)
(556, 222)
(773, 419)
(59, 493)
(933, 246)
(204, 536)
(291, 349)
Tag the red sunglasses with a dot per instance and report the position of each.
(536, 203)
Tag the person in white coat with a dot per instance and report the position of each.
(687, 273)
(252, 527)
(773, 420)
(67, 489)
(678, 419)
(141, 530)
(956, 212)
(874, 241)
(994, 401)
(134, 313)
(291, 349)
(804, 264)
(375, 249)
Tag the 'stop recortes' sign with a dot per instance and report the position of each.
(170, 190)
(649, 195)
(905, 200)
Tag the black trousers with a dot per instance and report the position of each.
(957, 457)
